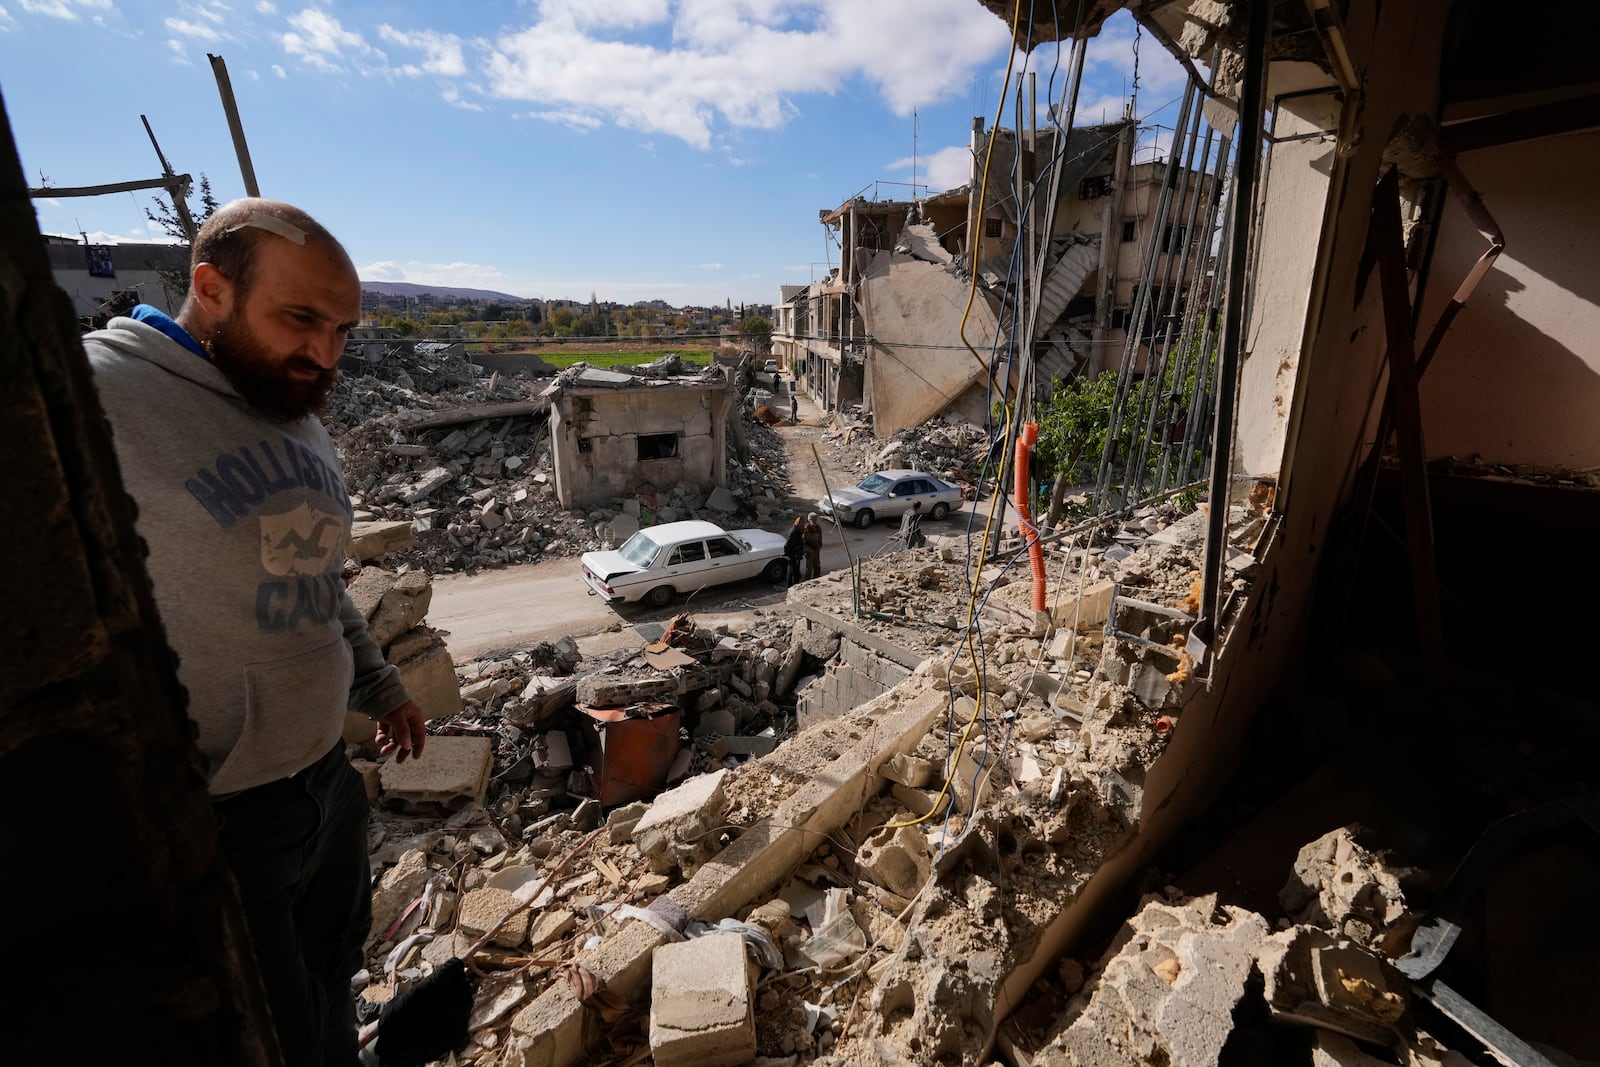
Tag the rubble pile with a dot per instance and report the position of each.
(1184, 974)
(467, 461)
(949, 447)
(503, 817)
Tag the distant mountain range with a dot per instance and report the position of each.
(413, 289)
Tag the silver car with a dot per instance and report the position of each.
(890, 493)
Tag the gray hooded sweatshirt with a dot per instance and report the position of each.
(247, 521)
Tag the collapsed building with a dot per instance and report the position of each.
(928, 871)
(892, 327)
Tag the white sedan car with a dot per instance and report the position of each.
(679, 557)
(889, 493)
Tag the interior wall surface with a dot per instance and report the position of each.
(1294, 204)
(1517, 378)
(613, 427)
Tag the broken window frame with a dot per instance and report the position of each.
(657, 446)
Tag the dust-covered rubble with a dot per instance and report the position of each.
(465, 458)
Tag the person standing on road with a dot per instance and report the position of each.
(911, 526)
(242, 503)
(813, 546)
(794, 547)
(794, 404)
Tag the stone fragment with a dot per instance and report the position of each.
(681, 816)
(613, 691)
(373, 540)
(482, 908)
(722, 500)
(622, 527)
(621, 822)
(897, 860)
(551, 927)
(910, 770)
(399, 886)
(427, 484)
(702, 1011)
(453, 772)
(552, 753)
(719, 721)
(1341, 886)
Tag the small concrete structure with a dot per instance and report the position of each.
(701, 1007)
(612, 431)
(453, 771)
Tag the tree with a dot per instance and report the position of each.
(175, 280)
(1072, 433)
(758, 331)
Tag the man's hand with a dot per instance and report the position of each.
(402, 730)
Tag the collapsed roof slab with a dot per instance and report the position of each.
(919, 364)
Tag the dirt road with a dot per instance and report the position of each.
(512, 608)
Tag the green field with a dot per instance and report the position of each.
(621, 359)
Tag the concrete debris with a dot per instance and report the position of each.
(1341, 886)
(702, 1003)
(450, 469)
(454, 774)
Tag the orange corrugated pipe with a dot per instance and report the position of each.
(1025, 443)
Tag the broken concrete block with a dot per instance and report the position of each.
(551, 927)
(430, 678)
(453, 771)
(586, 816)
(428, 483)
(612, 691)
(897, 860)
(373, 540)
(487, 689)
(754, 745)
(404, 605)
(552, 753)
(1149, 683)
(399, 886)
(908, 770)
(719, 721)
(623, 526)
(621, 822)
(702, 1008)
(683, 814)
(366, 591)
(482, 908)
(1086, 611)
(917, 801)
(1317, 979)
(1339, 885)
(722, 500)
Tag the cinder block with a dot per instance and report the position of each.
(371, 540)
(482, 908)
(701, 1008)
(693, 807)
(453, 771)
(897, 860)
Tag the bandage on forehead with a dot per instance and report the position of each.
(272, 224)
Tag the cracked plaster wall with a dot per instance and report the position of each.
(613, 427)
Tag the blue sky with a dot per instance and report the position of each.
(636, 149)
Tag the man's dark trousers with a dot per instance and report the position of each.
(298, 850)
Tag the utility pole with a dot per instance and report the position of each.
(231, 108)
(176, 188)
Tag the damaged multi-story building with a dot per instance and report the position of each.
(1379, 617)
(1060, 226)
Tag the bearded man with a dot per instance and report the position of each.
(242, 502)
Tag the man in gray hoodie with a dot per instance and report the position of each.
(242, 502)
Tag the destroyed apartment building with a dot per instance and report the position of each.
(890, 327)
(1300, 776)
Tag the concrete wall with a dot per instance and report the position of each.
(918, 364)
(698, 415)
(1297, 179)
(1517, 379)
(136, 268)
(858, 675)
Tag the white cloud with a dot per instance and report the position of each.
(460, 275)
(64, 9)
(944, 169)
(197, 30)
(452, 96)
(442, 51)
(576, 120)
(180, 51)
(266, 7)
(319, 39)
(255, 75)
(279, 71)
(6, 21)
(708, 266)
(738, 63)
